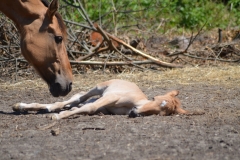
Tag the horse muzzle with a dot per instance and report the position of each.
(58, 89)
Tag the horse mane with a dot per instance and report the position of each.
(45, 2)
(59, 18)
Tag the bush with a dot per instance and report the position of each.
(149, 14)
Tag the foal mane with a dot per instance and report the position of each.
(60, 20)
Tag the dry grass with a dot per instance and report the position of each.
(226, 75)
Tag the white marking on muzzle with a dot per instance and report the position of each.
(163, 103)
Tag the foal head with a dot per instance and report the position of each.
(163, 105)
(43, 45)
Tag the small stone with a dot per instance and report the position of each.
(55, 132)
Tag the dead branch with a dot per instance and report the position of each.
(155, 60)
(111, 63)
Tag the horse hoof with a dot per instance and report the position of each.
(55, 117)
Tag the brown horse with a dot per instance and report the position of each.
(43, 37)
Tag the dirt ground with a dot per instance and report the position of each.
(214, 135)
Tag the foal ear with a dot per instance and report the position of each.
(173, 93)
(52, 9)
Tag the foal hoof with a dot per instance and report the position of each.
(198, 113)
(17, 107)
(73, 108)
(55, 117)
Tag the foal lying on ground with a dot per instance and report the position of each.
(116, 97)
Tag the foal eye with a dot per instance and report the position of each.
(58, 39)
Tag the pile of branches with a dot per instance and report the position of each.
(93, 48)
(10, 51)
(200, 50)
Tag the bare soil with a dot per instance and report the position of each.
(214, 135)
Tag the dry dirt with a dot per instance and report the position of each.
(215, 135)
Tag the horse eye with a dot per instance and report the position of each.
(58, 39)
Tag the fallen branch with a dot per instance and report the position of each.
(111, 63)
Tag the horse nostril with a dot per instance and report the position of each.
(55, 89)
(58, 89)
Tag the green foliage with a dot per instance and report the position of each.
(234, 9)
(149, 14)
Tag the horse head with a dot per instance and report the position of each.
(43, 38)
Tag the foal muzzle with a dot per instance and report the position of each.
(133, 113)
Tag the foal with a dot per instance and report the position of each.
(116, 97)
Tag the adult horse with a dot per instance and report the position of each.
(43, 36)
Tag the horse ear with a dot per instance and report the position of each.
(52, 9)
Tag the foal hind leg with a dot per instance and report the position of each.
(21, 107)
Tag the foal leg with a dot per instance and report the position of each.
(78, 98)
(21, 107)
(90, 108)
(73, 101)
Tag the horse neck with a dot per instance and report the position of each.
(22, 12)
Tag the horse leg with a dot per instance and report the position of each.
(99, 105)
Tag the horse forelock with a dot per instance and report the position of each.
(63, 28)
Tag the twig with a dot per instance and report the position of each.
(16, 76)
(193, 39)
(92, 53)
(190, 42)
(85, 14)
(46, 126)
(79, 24)
(105, 63)
(213, 59)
